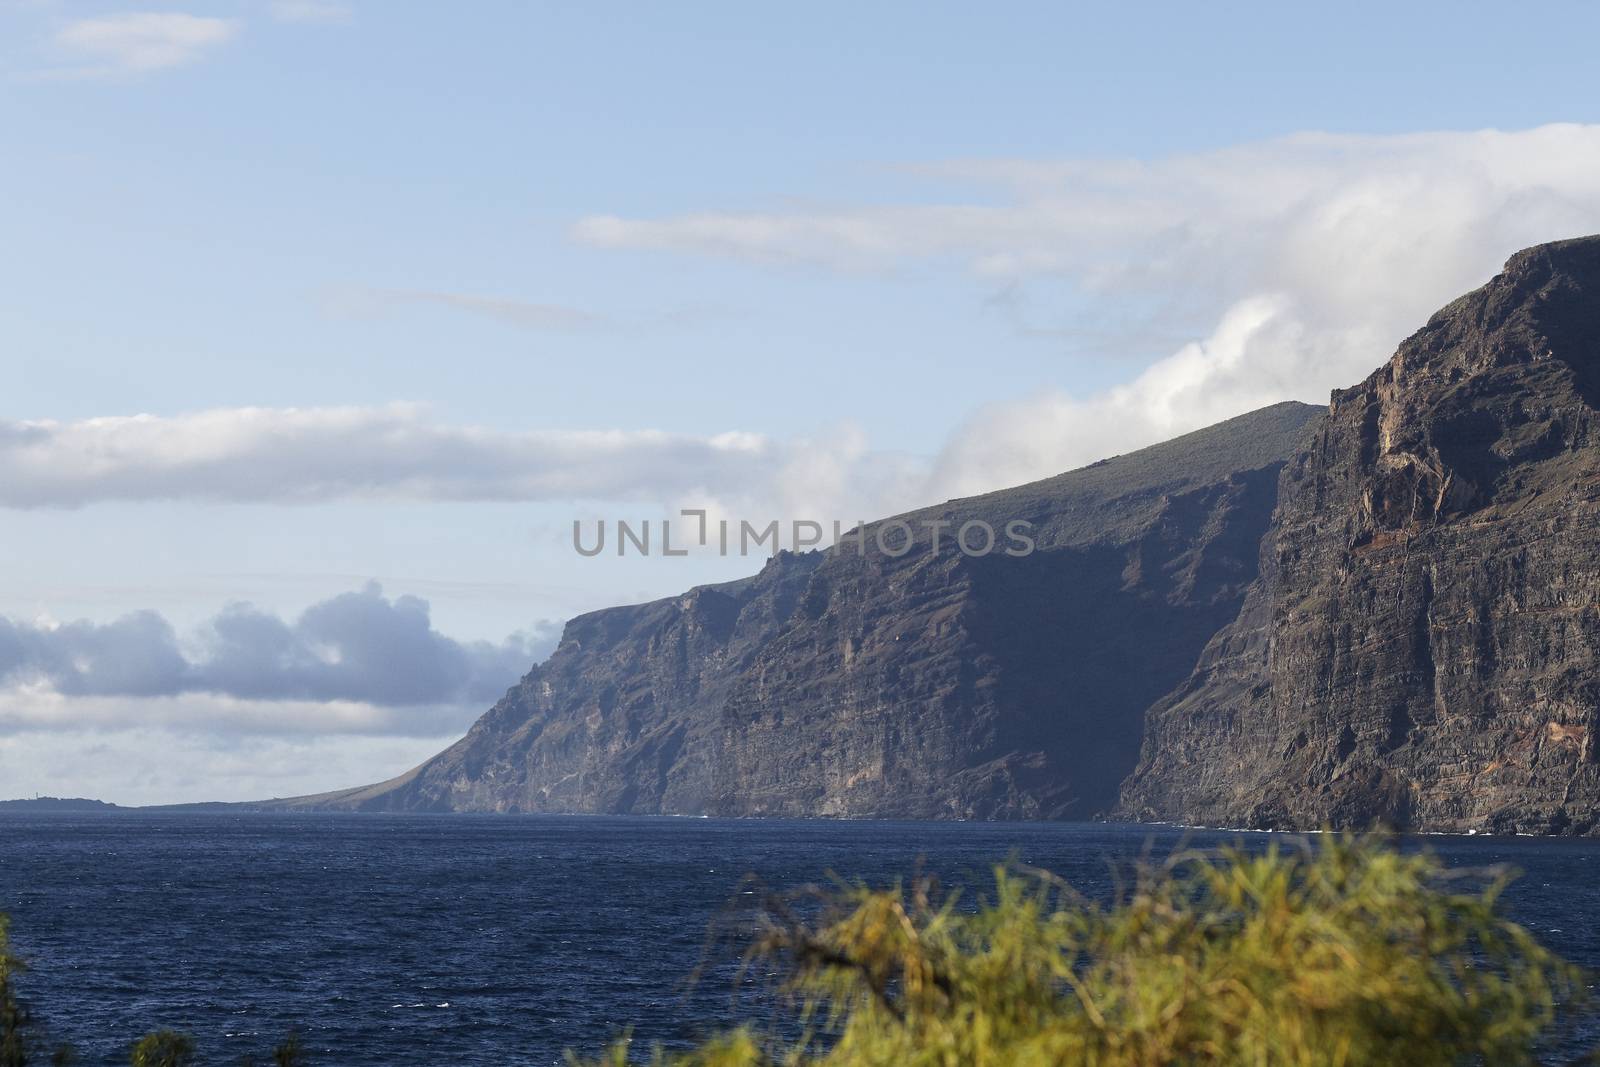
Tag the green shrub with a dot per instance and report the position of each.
(1344, 954)
(163, 1048)
(14, 1022)
(290, 1053)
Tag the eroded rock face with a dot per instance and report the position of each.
(1422, 646)
(995, 687)
(932, 685)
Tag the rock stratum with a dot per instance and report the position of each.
(1422, 646)
(1384, 611)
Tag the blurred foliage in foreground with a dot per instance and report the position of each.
(1348, 952)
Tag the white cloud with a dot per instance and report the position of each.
(1257, 355)
(307, 455)
(526, 314)
(316, 11)
(1297, 264)
(1124, 224)
(141, 42)
(315, 454)
(37, 709)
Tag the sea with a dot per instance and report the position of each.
(487, 940)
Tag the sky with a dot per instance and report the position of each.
(322, 322)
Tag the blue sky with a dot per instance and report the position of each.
(372, 271)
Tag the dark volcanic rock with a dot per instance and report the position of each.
(1423, 643)
(930, 685)
(999, 687)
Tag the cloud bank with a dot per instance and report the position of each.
(357, 663)
(304, 455)
(1296, 264)
(314, 455)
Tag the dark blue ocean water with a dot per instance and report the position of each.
(492, 940)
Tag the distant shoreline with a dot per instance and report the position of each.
(85, 806)
(65, 804)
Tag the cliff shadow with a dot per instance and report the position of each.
(1086, 639)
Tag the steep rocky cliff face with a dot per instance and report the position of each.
(943, 686)
(1423, 643)
(929, 684)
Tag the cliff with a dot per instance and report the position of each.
(1388, 612)
(928, 685)
(1422, 645)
